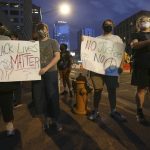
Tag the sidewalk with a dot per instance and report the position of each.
(79, 133)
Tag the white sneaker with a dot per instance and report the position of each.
(10, 129)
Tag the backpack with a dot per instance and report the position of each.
(64, 61)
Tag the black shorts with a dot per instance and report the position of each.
(141, 77)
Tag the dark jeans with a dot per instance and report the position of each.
(111, 84)
(6, 105)
(46, 95)
(17, 93)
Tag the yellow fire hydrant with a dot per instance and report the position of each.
(81, 95)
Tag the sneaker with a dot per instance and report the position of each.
(17, 105)
(140, 117)
(52, 125)
(10, 129)
(64, 93)
(46, 126)
(10, 132)
(58, 127)
(116, 115)
(94, 116)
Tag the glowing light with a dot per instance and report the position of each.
(65, 9)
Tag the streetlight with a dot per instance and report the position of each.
(64, 9)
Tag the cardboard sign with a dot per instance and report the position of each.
(19, 61)
(101, 56)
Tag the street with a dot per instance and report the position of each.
(79, 133)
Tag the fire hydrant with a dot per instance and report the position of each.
(81, 95)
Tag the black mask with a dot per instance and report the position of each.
(107, 28)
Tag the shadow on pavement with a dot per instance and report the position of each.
(139, 144)
(69, 101)
(72, 137)
(11, 142)
(110, 131)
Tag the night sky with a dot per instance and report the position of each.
(90, 13)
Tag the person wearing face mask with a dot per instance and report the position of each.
(45, 91)
(111, 82)
(140, 45)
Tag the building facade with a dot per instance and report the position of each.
(128, 26)
(19, 15)
(62, 33)
(87, 31)
(36, 15)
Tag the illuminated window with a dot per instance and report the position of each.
(4, 4)
(15, 20)
(18, 27)
(35, 11)
(14, 5)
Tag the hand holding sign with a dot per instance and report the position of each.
(101, 56)
(19, 61)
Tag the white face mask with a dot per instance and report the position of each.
(145, 25)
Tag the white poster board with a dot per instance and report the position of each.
(19, 61)
(101, 56)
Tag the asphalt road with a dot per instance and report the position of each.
(125, 93)
(79, 133)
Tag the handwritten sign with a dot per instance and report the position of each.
(101, 56)
(19, 61)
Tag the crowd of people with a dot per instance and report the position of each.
(45, 92)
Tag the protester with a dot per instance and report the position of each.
(6, 96)
(64, 66)
(46, 94)
(111, 82)
(141, 63)
(17, 91)
(34, 38)
(34, 35)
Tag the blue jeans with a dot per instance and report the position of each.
(46, 95)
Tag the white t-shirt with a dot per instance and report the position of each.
(3, 37)
(111, 37)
